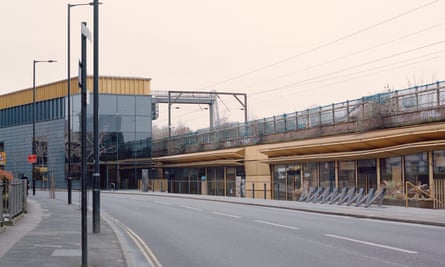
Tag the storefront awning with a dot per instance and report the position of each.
(224, 157)
(392, 151)
(357, 144)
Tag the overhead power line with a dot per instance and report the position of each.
(346, 56)
(323, 45)
(349, 68)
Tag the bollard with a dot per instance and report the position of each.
(33, 187)
(265, 196)
(253, 190)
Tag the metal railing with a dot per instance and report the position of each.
(418, 191)
(14, 199)
(367, 112)
(1, 203)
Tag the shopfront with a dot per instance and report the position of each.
(409, 162)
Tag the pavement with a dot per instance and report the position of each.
(49, 234)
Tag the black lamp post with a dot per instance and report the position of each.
(69, 92)
(34, 62)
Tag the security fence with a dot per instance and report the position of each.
(384, 110)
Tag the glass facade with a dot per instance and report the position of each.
(218, 181)
(45, 111)
(124, 138)
(392, 173)
(346, 173)
(310, 170)
(327, 174)
(416, 168)
(439, 164)
(287, 180)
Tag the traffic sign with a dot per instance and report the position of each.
(32, 158)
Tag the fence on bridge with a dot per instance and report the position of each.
(370, 112)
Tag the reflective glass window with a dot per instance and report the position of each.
(439, 164)
(416, 168)
(391, 171)
(327, 174)
(143, 106)
(108, 104)
(126, 105)
(346, 173)
(310, 170)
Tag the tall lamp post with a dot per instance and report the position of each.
(69, 91)
(34, 62)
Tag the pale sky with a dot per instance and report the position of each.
(287, 55)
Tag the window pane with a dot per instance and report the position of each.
(126, 105)
(310, 170)
(327, 174)
(346, 174)
(439, 164)
(416, 168)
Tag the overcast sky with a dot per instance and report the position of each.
(287, 55)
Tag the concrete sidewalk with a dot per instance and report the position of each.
(50, 235)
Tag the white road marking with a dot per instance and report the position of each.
(225, 214)
(161, 202)
(190, 208)
(372, 244)
(47, 246)
(278, 225)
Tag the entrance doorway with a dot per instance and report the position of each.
(366, 174)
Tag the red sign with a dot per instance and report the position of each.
(32, 158)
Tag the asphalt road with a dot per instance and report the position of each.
(189, 232)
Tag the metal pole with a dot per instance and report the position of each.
(33, 123)
(169, 115)
(253, 190)
(265, 196)
(69, 103)
(96, 175)
(68, 79)
(34, 62)
(84, 148)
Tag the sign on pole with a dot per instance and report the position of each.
(32, 158)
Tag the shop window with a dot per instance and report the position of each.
(310, 170)
(416, 168)
(327, 174)
(346, 174)
(439, 164)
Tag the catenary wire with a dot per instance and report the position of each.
(345, 56)
(323, 45)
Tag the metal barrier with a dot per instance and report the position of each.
(15, 197)
(1, 203)
(418, 190)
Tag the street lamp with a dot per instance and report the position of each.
(69, 90)
(69, 94)
(34, 62)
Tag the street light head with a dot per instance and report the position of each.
(44, 61)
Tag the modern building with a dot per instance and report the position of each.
(394, 140)
(125, 118)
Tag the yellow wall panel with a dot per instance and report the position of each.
(107, 85)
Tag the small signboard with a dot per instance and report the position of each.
(32, 158)
(2, 158)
